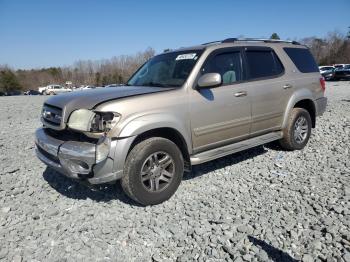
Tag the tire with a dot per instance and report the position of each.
(291, 140)
(140, 180)
(51, 93)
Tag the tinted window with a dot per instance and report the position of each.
(326, 68)
(302, 59)
(228, 65)
(263, 63)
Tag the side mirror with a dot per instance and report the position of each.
(209, 80)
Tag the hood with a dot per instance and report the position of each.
(88, 99)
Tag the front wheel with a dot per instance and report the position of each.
(298, 130)
(153, 171)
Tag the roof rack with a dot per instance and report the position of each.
(212, 42)
(265, 40)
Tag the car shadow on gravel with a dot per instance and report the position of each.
(108, 192)
(77, 190)
(223, 162)
(274, 254)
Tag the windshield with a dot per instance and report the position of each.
(166, 70)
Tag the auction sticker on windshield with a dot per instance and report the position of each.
(186, 56)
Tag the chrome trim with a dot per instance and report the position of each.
(286, 86)
(266, 116)
(240, 94)
(203, 130)
(52, 115)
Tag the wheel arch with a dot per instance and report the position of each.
(309, 106)
(168, 133)
(302, 98)
(156, 125)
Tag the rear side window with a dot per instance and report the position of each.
(263, 63)
(303, 59)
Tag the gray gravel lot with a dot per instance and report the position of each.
(259, 205)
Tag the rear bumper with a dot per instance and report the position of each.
(321, 105)
(76, 159)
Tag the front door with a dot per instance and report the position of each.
(221, 115)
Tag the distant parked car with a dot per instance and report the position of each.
(342, 73)
(14, 93)
(327, 72)
(2, 93)
(338, 66)
(32, 93)
(41, 89)
(114, 85)
(87, 87)
(56, 89)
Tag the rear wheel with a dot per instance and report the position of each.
(153, 171)
(298, 130)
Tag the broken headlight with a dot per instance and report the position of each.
(92, 121)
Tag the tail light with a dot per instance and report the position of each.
(323, 84)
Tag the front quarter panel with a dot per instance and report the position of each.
(145, 113)
(156, 120)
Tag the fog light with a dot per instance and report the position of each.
(102, 148)
(76, 166)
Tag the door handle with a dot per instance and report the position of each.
(286, 86)
(241, 93)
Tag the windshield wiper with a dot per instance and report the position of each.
(157, 84)
(153, 84)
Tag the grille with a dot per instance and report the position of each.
(52, 115)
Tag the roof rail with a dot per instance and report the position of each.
(265, 40)
(212, 42)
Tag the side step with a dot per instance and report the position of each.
(234, 148)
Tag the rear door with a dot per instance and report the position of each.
(270, 89)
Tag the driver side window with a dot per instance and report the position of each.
(228, 65)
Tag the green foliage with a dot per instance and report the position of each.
(275, 36)
(120, 79)
(105, 80)
(97, 79)
(9, 81)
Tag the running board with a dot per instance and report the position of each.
(234, 148)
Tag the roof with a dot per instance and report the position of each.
(235, 40)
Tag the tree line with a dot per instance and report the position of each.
(115, 70)
(332, 49)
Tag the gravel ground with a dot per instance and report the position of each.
(259, 205)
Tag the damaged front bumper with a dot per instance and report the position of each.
(77, 159)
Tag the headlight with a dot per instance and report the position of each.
(92, 121)
(102, 148)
